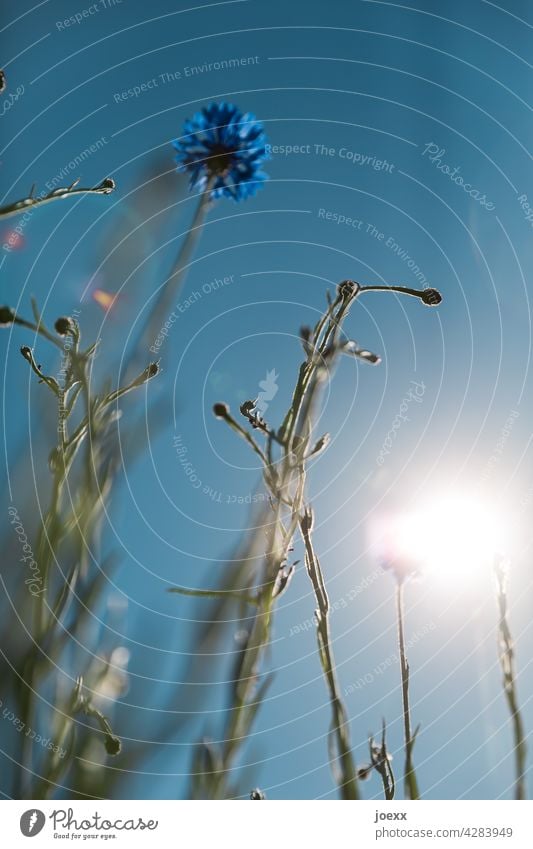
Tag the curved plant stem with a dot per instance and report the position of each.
(31, 202)
(285, 478)
(286, 482)
(339, 722)
(507, 663)
(410, 782)
(164, 301)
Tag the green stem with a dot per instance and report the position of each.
(167, 294)
(507, 663)
(410, 782)
(348, 772)
(287, 491)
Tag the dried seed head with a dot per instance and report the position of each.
(221, 411)
(320, 445)
(150, 371)
(7, 316)
(112, 745)
(307, 521)
(64, 325)
(348, 288)
(107, 186)
(431, 297)
(247, 407)
(364, 772)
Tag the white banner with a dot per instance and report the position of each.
(272, 825)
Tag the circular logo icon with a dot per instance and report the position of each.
(32, 822)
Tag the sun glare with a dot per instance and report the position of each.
(455, 535)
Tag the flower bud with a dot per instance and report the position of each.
(107, 186)
(221, 411)
(63, 325)
(363, 773)
(431, 297)
(348, 289)
(112, 745)
(247, 408)
(307, 521)
(7, 316)
(150, 371)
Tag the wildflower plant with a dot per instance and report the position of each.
(285, 453)
(32, 200)
(82, 466)
(223, 151)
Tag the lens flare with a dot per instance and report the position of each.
(451, 537)
(105, 299)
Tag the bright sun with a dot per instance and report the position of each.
(453, 535)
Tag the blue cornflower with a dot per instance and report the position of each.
(222, 145)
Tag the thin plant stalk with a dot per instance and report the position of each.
(32, 201)
(165, 300)
(507, 663)
(285, 477)
(87, 497)
(339, 720)
(410, 782)
(380, 759)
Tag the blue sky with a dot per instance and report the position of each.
(375, 108)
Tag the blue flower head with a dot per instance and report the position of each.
(222, 145)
